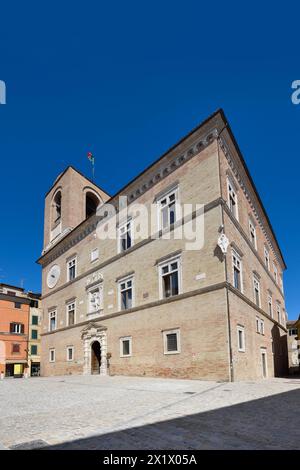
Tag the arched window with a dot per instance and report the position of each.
(56, 208)
(91, 204)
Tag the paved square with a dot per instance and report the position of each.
(93, 412)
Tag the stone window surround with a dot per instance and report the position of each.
(165, 261)
(126, 338)
(241, 347)
(68, 304)
(237, 254)
(128, 277)
(165, 193)
(52, 350)
(171, 331)
(67, 349)
(121, 226)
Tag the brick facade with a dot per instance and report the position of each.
(208, 309)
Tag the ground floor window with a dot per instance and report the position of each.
(52, 355)
(70, 353)
(126, 346)
(171, 340)
(241, 338)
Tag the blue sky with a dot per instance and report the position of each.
(126, 80)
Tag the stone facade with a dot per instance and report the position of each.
(215, 321)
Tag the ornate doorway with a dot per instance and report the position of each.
(95, 347)
(95, 358)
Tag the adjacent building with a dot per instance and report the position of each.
(293, 347)
(153, 305)
(19, 342)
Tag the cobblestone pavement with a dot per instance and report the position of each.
(93, 412)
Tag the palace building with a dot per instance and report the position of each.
(156, 305)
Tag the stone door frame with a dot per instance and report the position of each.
(91, 333)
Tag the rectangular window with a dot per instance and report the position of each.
(278, 310)
(270, 305)
(125, 236)
(34, 334)
(262, 327)
(252, 231)
(256, 288)
(171, 341)
(52, 320)
(33, 349)
(241, 339)
(275, 273)
(167, 213)
(293, 332)
(126, 294)
(72, 269)
(70, 353)
(34, 320)
(51, 355)
(94, 254)
(126, 346)
(169, 273)
(71, 310)
(34, 303)
(17, 328)
(15, 348)
(237, 270)
(232, 199)
(11, 292)
(18, 304)
(267, 258)
(257, 325)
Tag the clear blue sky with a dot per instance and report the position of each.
(126, 80)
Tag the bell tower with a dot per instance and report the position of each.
(71, 199)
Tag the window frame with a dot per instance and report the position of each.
(68, 305)
(267, 258)
(166, 195)
(255, 279)
(252, 227)
(37, 333)
(52, 350)
(240, 269)
(129, 339)
(95, 250)
(33, 346)
(70, 348)
(52, 314)
(278, 312)
(161, 265)
(241, 329)
(270, 303)
(231, 188)
(69, 261)
(275, 273)
(121, 227)
(165, 341)
(122, 281)
(37, 320)
(15, 345)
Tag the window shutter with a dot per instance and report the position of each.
(22, 328)
(11, 328)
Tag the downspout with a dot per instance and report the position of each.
(231, 370)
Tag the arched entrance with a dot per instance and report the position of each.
(95, 357)
(95, 347)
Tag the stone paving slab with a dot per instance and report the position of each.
(93, 412)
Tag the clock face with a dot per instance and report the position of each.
(53, 276)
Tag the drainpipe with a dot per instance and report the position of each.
(231, 369)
